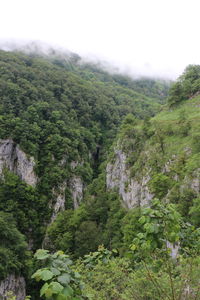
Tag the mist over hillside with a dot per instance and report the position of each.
(113, 67)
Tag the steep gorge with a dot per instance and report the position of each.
(80, 158)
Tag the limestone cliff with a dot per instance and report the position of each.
(60, 201)
(133, 191)
(75, 186)
(13, 158)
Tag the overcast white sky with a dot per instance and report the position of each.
(158, 37)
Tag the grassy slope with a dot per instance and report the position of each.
(171, 121)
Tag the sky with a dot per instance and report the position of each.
(142, 37)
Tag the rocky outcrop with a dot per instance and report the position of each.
(134, 192)
(14, 284)
(192, 181)
(76, 185)
(60, 201)
(174, 249)
(195, 181)
(14, 159)
(76, 188)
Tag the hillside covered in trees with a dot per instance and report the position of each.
(89, 158)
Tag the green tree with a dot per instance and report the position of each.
(195, 212)
(13, 248)
(87, 238)
(160, 184)
(175, 94)
(159, 224)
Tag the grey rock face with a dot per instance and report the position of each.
(192, 182)
(195, 182)
(13, 158)
(76, 187)
(14, 284)
(60, 201)
(174, 248)
(134, 192)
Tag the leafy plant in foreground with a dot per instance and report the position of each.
(61, 281)
(160, 224)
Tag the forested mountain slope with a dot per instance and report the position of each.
(155, 158)
(146, 203)
(89, 158)
(58, 119)
(161, 155)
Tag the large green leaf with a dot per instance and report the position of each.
(46, 275)
(37, 275)
(64, 279)
(68, 291)
(48, 293)
(77, 275)
(142, 220)
(42, 254)
(55, 271)
(56, 287)
(44, 289)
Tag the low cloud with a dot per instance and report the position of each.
(112, 66)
